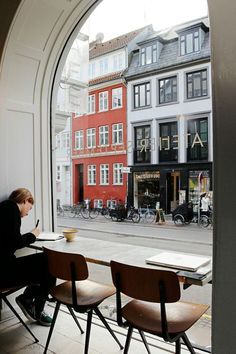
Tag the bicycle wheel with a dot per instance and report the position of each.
(93, 213)
(179, 220)
(204, 221)
(135, 217)
(85, 213)
(149, 217)
(106, 213)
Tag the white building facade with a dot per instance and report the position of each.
(169, 115)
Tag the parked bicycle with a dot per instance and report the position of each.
(120, 213)
(146, 214)
(184, 215)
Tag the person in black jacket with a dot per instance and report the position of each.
(30, 271)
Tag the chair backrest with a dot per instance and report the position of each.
(144, 283)
(66, 266)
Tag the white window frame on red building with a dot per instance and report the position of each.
(104, 174)
(117, 138)
(91, 104)
(117, 97)
(117, 174)
(79, 140)
(91, 174)
(104, 135)
(91, 138)
(103, 101)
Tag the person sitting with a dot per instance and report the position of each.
(31, 270)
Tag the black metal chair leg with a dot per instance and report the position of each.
(88, 330)
(19, 318)
(144, 341)
(58, 304)
(99, 314)
(178, 347)
(188, 344)
(128, 339)
(75, 319)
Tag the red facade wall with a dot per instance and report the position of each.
(100, 155)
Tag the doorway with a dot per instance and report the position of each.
(172, 190)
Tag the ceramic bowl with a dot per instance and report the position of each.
(69, 234)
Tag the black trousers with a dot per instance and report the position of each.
(31, 271)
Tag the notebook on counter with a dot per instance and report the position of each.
(178, 261)
(49, 236)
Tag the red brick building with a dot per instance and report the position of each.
(99, 138)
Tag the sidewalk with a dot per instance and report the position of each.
(167, 231)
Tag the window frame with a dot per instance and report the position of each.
(173, 100)
(91, 103)
(207, 142)
(183, 42)
(202, 80)
(104, 174)
(144, 54)
(118, 179)
(103, 101)
(147, 95)
(91, 138)
(79, 139)
(115, 133)
(118, 96)
(104, 134)
(91, 175)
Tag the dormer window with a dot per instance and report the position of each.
(189, 42)
(149, 54)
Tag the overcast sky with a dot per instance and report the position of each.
(115, 17)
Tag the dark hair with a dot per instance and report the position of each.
(21, 195)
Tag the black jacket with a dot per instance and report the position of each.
(10, 236)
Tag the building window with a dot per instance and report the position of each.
(65, 140)
(103, 135)
(168, 90)
(104, 174)
(98, 203)
(103, 101)
(58, 173)
(117, 134)
(91, 174)
(117, 97)
(91, 70)
(189, 42)
(58, 141)
(91, 138)
(118, 62)
(197, 148)
(196, 84)
(111, 203)
(168, 149)
(79, 140)
(103, 65)
(149, 55)
(142, 152)
(117, 173)
(142, 95)
(91, 104)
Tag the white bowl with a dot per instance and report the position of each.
(69, 234)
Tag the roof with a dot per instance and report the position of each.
(169, 58)
(99, 48)
(109, 77)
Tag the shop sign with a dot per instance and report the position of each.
(147, 175)
(125, 169)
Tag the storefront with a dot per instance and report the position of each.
(168, 185)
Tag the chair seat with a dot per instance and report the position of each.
(146, 316)
(89, 293)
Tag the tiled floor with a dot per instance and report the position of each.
(67, 338)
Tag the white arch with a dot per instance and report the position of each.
(42, 32)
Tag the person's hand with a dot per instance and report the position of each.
(36, 232)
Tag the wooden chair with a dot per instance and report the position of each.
(6, 291)
(77, 292)
(155, 307)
